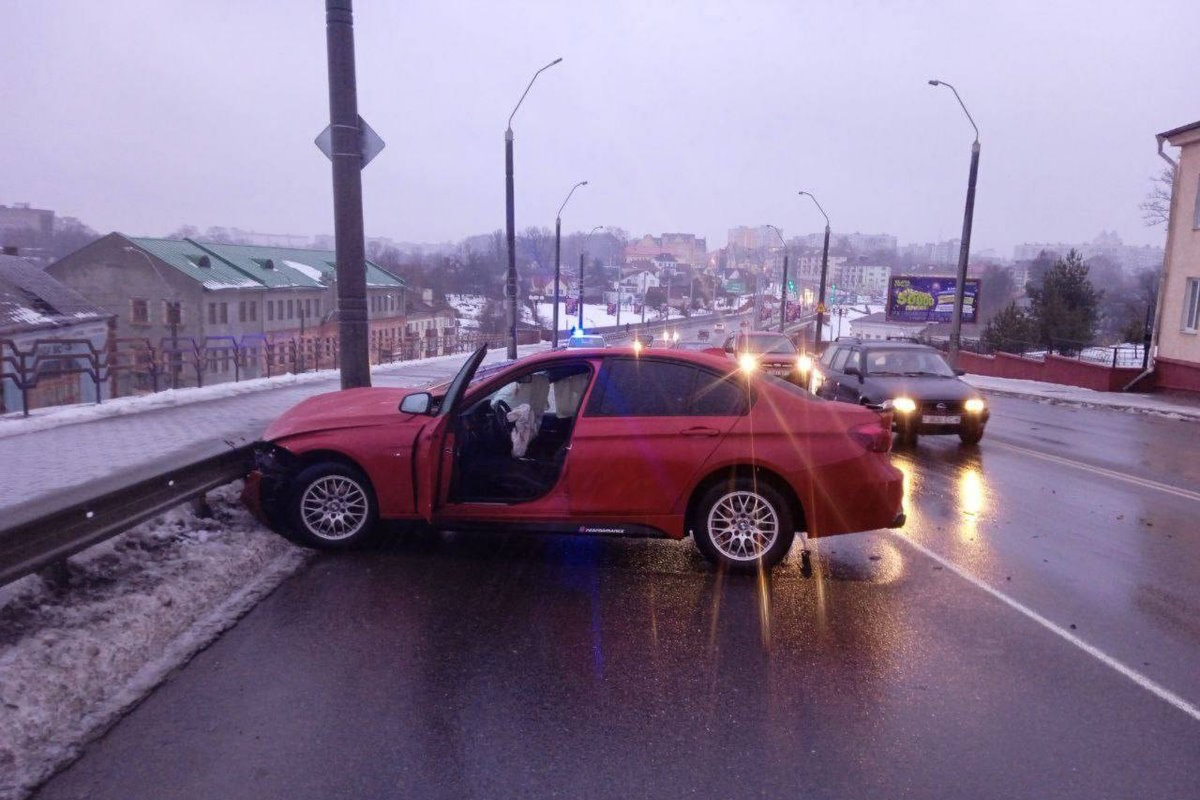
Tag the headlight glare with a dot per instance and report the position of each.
(747, 362)
(804, 363)
(905, 405)
(975, 405)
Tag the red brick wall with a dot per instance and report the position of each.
(1055, 369)
(1172, 374)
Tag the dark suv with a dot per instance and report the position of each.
(913, 381)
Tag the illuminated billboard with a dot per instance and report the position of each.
(929, 298)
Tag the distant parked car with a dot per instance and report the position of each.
(606, 442)
(913, 381)
(692, 344)
(773, 353)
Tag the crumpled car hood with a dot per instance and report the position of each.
(348, 408)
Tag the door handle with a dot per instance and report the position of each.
(699, 431)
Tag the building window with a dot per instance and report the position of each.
(308, 307)
(1196, 210)
(172, 312)
(139, 311)
(212, 313)
(254, 311)
(241, 310)
(1191, 305)
(224, 312)
(270, 311)
(290, 309)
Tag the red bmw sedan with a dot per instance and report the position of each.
(607, 442)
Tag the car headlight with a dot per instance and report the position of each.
(975, 405)
(905, 405)
(816, 380)
(804, 363)
(747, 362)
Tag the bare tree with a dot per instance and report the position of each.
(1156, 208)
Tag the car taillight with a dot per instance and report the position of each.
(875, 436)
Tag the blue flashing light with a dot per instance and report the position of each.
(577, 331)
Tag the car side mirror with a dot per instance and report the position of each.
(959, 372)
(416, 403)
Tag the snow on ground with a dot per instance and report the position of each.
(831, 327)
(469, 308)
(595, 315)
(73, 659)
(1076, 395)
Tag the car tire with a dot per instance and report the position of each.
(971, 435)
(742, 523)
(332, 506)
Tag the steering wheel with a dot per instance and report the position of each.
(500, 410)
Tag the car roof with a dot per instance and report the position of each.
(898, 345)
(698, 357)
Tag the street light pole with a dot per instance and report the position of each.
(558, 253)
(824, 274)
(346, 156)
(965, 247)
(582, 254)
(511, 284)
(783, 290)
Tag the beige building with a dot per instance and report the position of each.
(1177, 358)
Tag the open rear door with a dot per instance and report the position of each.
(432, 439)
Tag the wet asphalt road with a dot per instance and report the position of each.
(461, 666)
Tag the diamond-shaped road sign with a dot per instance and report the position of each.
(369, 142)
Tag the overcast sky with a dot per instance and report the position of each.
(141, 116)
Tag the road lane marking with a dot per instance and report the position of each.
(1104, 658)
(1145, 483)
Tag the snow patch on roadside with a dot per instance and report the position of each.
(74, 659)
(1088, 398)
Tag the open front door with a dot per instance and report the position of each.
(431, 458)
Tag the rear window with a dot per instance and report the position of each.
(765, 343)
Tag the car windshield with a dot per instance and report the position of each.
(765, 343)
(907, 361)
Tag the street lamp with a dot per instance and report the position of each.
(965, 247)
(511, 285)
(582, 254)
(557, 252)
(824, 273)
(783, 290)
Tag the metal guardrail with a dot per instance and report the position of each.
(41, 369)
(30, 545)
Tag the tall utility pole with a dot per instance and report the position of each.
(582, 255)
(347, 157)
(558, 253)
(965, 249)
(824, 274)
(510, 287)
(783, 290)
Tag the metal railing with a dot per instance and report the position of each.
(47, 372)
(1114, 356)
(27, 545)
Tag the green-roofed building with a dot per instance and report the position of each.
(247, 293)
